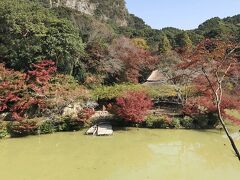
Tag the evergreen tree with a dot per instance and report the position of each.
(164, 45)
(238, 35)
(183, 40)
(30, 33)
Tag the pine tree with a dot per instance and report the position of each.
(183, 40)
(164, 45)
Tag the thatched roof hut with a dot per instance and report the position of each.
(156, 76)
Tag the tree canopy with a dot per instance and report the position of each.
(30, 32)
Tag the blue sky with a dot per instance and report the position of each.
(183, 14)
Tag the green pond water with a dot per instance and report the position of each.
(139, 154)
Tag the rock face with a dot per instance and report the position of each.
(84, 6)
(106, 10)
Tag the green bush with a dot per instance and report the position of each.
(206, 121)
(59, 124)
(46, 127)
(67, 124)
(73, 124)
(3, 130)
(176, 123)
(187, 122)
(157, 121)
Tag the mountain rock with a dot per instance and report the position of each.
(107, 10)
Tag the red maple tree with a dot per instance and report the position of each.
(216, 64)
(133, 106)
(19, 92)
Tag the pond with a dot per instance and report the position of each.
(133, 154)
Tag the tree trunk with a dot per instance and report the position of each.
(218, 97)
(227, 132)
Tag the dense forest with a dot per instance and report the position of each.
(82, 44)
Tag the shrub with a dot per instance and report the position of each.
(67, 123)
(72, 124)
(85, 114)
(187, 122)
(3, 130)
(59, 124)
(209, 120)
(133, 106)
(22, 128)
(3, 133)
(157, 121)
(176, 123)
(46, 127)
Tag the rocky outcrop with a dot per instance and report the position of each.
(106, 10)
(84, 6)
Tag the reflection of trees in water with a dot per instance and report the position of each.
(193, 153)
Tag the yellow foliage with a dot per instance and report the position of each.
(141, 43)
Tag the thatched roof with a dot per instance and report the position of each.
(156, 76)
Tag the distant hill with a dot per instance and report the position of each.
(107, 19)
(110, 17)
(79, 34)
(213, 28)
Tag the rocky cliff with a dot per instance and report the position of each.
(108, 10)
